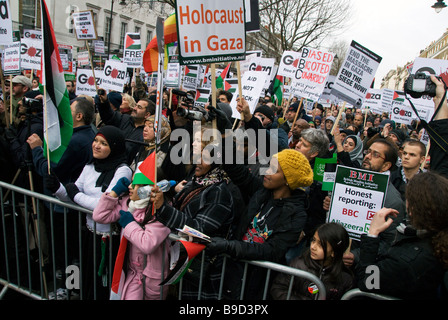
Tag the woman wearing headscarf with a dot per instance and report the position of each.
(204, 203)
(149, 138)
(349, 150)
(99, 176)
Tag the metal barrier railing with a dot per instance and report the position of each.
(357, 293)
(19, 213)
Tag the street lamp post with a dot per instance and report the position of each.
(439, 5)
(122, 2)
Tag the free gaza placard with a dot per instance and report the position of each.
(210, 31)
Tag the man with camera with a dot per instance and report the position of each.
(131, 124)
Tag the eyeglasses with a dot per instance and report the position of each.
(375, 154)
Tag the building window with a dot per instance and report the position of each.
(124, 29)
(107, 30)
(29, 14)
(148, 37)
(137, 29)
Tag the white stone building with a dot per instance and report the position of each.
(114, 17)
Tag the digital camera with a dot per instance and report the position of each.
(420, 84)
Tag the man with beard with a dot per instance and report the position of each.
(381, 157)
(131, 124)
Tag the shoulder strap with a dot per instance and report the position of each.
(434, 136)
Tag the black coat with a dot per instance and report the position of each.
(408, 268)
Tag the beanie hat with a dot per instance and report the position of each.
(115, 98)
(266, 111)
(295, 167)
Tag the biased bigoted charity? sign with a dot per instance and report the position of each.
(210, 31)
(309, 70)
(357, 195)
(356, 74)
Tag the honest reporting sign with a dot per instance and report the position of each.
(210, 31)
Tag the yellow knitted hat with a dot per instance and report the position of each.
(295, 167)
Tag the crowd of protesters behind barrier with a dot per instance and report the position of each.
(266, 207)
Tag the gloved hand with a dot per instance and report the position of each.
(218, 245)
(222, 122)
(125, 218)
(72, 190)
(121, 186)
(52, 182)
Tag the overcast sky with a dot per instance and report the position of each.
(396, 30)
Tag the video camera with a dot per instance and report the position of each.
(191, 111)
(420, 84)
(32, 105)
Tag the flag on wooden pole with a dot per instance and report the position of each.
(58, 121)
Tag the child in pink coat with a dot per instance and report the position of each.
(145, 238)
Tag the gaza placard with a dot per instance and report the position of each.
(114, 76)
(85, 81)
(356, 74)
(210, 31)
(31, 53)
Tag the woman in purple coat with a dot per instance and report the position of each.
(145, 237)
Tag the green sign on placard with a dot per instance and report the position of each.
(357, 195)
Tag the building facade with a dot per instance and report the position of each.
(438, 49)
(113, 18)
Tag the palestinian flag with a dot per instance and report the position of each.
(184, 252)
(220, 80)
(58, 121)
(119, 274)
(132, 41)
(151, 56)
(276, 89)
(202, 95)
(191, 71)
(231, 85)
(147, 168)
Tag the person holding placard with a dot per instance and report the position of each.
(413, 266)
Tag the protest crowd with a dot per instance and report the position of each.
(248, 182)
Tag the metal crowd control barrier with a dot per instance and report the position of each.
(356, 293)
(27, 285)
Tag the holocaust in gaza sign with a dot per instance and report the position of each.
(357, 195)
(210, 31)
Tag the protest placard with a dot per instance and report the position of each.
(172, 78)
(31, 53)
(313, 68)
(289, 64)
(252, 85)
(202, 96)
(379, 100)
(190, 77)
(357, 195)
(356, 74)
(5, 23)
(114, 76)
(11, 59)
(132, 54)
(83, 58)
(84, 25)
(265, 65)
(85, 81)
(32, 34)
(210, 31)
